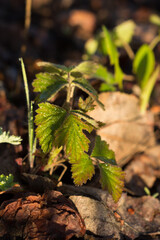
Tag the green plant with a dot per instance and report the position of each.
(63, 131)
(6, 182)
(143, 62)
(31, 138)
(147, 191)
(5, 137)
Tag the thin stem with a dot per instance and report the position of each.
(70, 92)
(155, 41)
(128, 50)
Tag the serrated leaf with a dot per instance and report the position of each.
(124, 32)
(143, 64)
(83, 170)
(48, 119)
(86, 105)
(101, 151)
(54, 68)
(85, 117)
(48, 85)
(147, 90)
(83, 84)
(112, 179)
(5, 137)
(71, 135)
(110, 46)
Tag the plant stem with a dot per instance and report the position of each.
(128, 50)
(70, 92)
(155, 41)
(30, 116)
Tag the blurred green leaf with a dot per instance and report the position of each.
(119, 75)
(6, 182)
(147, 90)
(54, 68)
(123, 33)
(91, 46)
(105, 87)
(110, 46)
(143, 64)
(155, 19)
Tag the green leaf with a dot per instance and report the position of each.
(110, 46)
(112, 179)
(83, 84)
(147, 90)
(83, 170)
(124, 32)
(101, 151)
(107, 87)
(101, 73)
(155, 19)
(143, 64)
(88, 68)
(54, 68)
(85, 117)
(5, 137)
(6, 182)
(91, 46)
(48, 85)
(48, 119)
(86, 105)
(71, 135)
(119, 75)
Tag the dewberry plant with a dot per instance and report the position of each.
(63, 131)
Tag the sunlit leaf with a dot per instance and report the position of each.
(85, 117)
(84, 84)
(102, 152)
(91, 46)
(154, 18)
(71, 135)
(48, 119)
(119, 75)
(54, 68)
(143, 64)
(5, 137)
(48, 85)
(105, 87)
(86, 105)
(124, 32)
(82, 170)
(112, 179)
(88, 68)
(110, 46)
(147, 90)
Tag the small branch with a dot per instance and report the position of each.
(70, 92)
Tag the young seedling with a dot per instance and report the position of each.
(62, 131)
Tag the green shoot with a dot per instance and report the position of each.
(32, 141)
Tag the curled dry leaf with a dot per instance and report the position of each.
(50, 216)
